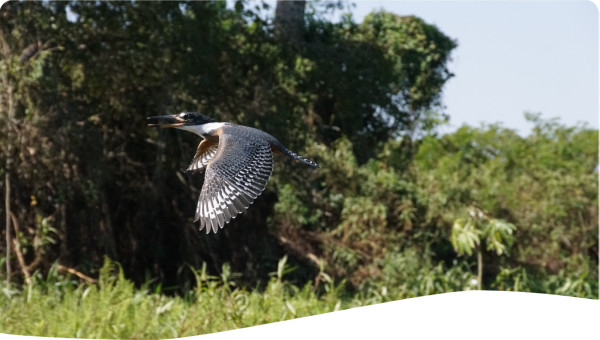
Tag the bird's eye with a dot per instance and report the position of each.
(184, 115)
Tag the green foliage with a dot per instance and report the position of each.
(544, 185)
(499, 235)
(386, 216)
(570, 281)
(86, 154)
(57, 306)
(409, 274)
(465, 236)
(54, 306)
(417, 51)
(467, 232)
(472, 191)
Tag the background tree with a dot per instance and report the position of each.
(469, 232)
(289, 20)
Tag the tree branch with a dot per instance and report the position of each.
(76, 273)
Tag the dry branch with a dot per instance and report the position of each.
(76, 273)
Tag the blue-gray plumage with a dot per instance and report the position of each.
(238, 161)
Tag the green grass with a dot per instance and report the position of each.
(58, 306)
(114, 308)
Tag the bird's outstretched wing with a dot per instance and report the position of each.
(205, 152)
(235, 177)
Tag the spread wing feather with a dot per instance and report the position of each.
(235, 176)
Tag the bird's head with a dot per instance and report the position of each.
(180, 120)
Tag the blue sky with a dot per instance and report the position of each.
(512, 57)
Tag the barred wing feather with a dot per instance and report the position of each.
(235, 176)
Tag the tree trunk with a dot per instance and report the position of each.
(289, 20)
(7, 106)
(10, 114)
(7, 210)
(480, 267)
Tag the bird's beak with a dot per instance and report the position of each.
(166, 121)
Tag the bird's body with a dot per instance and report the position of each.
(238, 161)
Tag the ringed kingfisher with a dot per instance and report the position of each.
(238, 161)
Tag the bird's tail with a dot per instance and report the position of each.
(295, 156)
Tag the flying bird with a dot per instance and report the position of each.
(238, 161)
